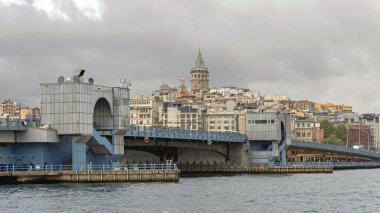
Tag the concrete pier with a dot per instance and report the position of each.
(130, 175)
(260, 169)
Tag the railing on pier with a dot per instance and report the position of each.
(104, 167)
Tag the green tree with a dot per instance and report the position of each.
(341, 132)
(328, 128)
(332, 139)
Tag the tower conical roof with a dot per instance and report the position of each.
(199, 63)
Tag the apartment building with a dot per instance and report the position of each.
(307, 129)
(144, 111)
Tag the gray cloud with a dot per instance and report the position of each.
(317, 50)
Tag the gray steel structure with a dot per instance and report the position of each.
(182, 134)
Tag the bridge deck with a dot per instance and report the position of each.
(182, 134)
(332, 148)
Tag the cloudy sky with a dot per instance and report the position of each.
(325, 51)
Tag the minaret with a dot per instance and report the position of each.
(199, 75)
(182, 87)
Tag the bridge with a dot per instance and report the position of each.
(333, 148)
(154, 133)
(86, 122)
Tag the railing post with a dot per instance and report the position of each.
(60, 167)
(51, 167)
(13, 167)
(103, 167)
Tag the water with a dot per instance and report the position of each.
(342, 191)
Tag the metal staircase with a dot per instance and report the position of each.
(100, 145)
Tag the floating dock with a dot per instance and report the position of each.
(140, 175)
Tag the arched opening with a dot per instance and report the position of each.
(283, 133)
(102, 117)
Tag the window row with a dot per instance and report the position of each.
(261, 121)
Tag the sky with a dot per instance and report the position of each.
(323, 51)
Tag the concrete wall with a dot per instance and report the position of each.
(270, 130)
(69, 106)
(8, 136)
(36, 153)
(33, 135)
(37, 135)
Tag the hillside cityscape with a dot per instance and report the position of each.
(200, 107)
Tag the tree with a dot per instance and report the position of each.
(332, 139)
(341, 132)
(328, 128)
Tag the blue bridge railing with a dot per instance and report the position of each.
(176, 133)
(341, 163)
(104, 167)
(333, 148)
(14, 124)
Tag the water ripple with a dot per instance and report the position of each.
(342, 191)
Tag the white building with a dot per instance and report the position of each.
(144, 111)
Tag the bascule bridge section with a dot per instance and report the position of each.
(77, 109)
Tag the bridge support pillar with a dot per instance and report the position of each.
(283, 157)
(118, 142)
(79, 149)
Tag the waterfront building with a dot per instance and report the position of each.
(220, 121)
(332, 107)
(8, 107)
(307, 129)
(144, 111)
(32, 113)
(359, 135)
(165, 93)
(303, 105)
(275, 98)
(184, 116)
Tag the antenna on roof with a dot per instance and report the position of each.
(125, 83)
